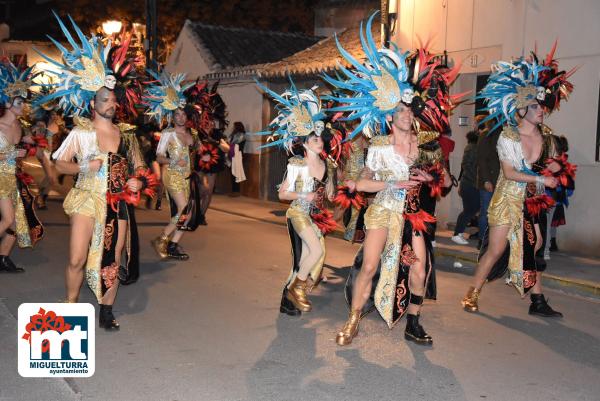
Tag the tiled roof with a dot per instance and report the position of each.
(321, 57)
(225, 47)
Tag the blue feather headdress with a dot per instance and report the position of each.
(82, 72)
(299, 114)
(14, 81)
(375, 87)
(164, 95)
(512, 86)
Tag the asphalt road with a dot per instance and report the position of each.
(210, 329)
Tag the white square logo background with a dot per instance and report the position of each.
(57, 367)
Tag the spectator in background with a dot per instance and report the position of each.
(468, 187)
(237, 140)
(488, 168)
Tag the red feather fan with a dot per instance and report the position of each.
(207, 149)
(437, 172)
(324, 220)
(344, 198)
(149, 185)
(567, 172)
(539, 203)
(419, 219)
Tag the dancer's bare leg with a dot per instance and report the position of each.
(497, 244)
(372, 248)
(82, 228)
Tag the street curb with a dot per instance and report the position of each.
(585, 286)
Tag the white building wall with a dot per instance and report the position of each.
(480, 32)
(187, 56)
(244, 103)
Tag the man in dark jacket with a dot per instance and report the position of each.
(488, 168)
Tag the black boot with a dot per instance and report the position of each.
(553, 246)
(7, 265)
(174, 251)
(287, 306)
(415, 332)
(539, 306)
(106, 319)
(202, 220)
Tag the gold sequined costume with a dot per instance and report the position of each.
(89, 197)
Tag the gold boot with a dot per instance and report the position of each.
(160, 245)
(350, 330)
(470, 300)
(296, 293)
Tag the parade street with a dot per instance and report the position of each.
(210, 329)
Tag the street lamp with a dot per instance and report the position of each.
(111, 27)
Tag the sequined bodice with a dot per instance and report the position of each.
(9, 163)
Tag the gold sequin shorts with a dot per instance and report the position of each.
(8, 185)
(87, 203)
(377, 216)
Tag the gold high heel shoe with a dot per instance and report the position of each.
(350, 330)
(160, 245)
(296, 293)
(470, 300)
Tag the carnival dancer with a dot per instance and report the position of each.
(309, 180)
(18, 222)
(177, 150)
(110, 175)
(382, 98)
(214, 145)
(517, 95)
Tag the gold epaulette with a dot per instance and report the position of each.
(511, 132)
(125, 127)
(546, 130)
(83, 123)
(297, 161)
(380, 140)
(24, 123)
(427, 136)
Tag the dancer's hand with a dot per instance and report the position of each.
(310, 197)
(21, 153)
(488, 186)
(181, 163)
(554, 167)
(420, 175)
(351, 184)
(134, 184)
(550, 182)
(405, 184)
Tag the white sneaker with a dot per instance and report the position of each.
(458, 239)
(433, 244)
(546, 255)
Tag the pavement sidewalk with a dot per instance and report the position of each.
(568, 272)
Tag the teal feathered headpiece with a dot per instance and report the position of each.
(82, 72)
(164, 95)
(299, 114)
(374, 87)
